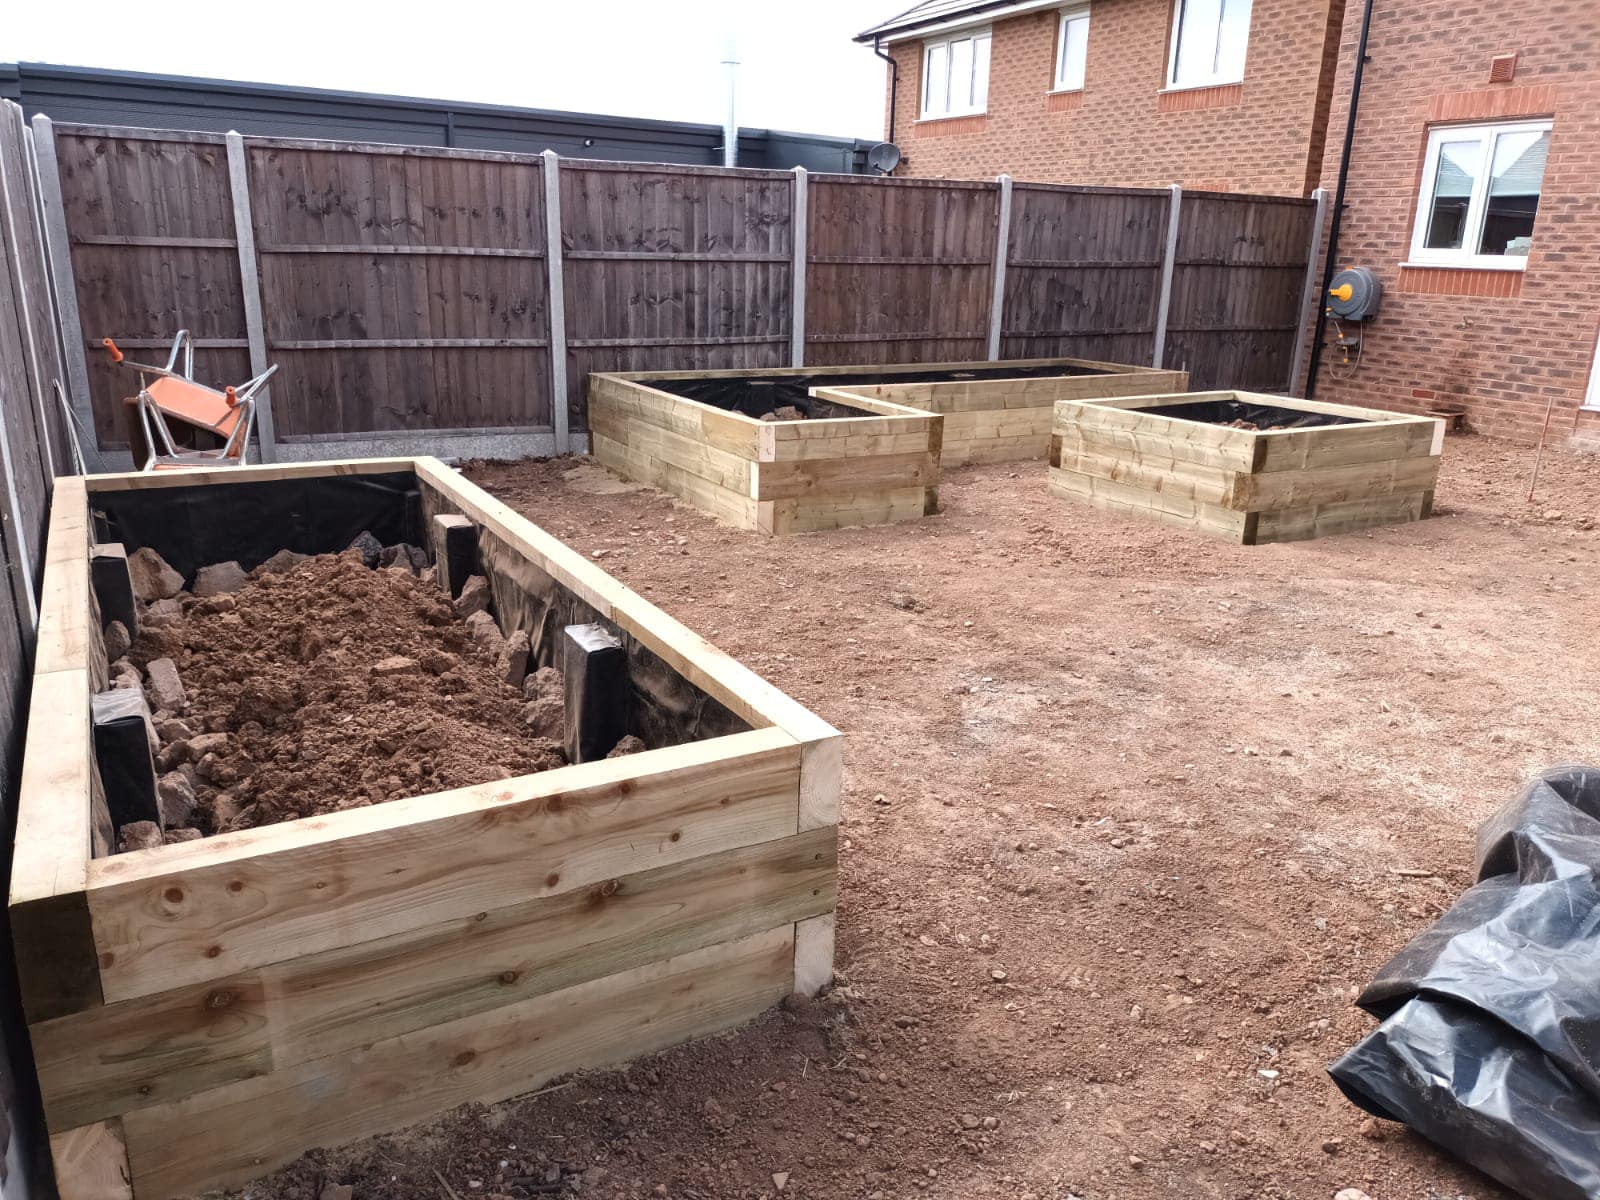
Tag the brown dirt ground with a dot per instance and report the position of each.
(1166, 785)
(284, 666)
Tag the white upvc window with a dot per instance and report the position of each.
(955, 75)
(1072, 50)
(1591, 398)
(1480, 195)
(1209, 39)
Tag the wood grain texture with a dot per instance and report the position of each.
(205, 910)
(157, 1049)
(234, 1133)
(1250, 486)
(91, 1163)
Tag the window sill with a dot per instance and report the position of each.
(1516, 264)
(1428, 279)
(1071, 91)
(950, 126)
(1200, 87)
(1191, 99)
(952, 117)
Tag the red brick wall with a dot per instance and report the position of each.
(1264, 136)
(1502, 347)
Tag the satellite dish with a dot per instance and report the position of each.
(884, 157)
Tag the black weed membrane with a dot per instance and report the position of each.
(1490, 1037)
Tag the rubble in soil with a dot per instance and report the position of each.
(320, 684)
(785, 412)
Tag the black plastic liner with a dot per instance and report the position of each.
(1262, 416)
(1490, 1036)
(194, 526)
(756, 395)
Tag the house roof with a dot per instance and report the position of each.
(942, 12)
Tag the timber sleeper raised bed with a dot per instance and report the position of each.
(762, 454)
(1002, 412)
(204, 1011)
(1247, 467)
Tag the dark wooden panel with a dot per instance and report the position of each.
(1083, 272)
(1237, 289)
(880, 263)
(116, 191)
(696, 270)
(419, 248)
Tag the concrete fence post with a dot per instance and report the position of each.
(244, 235)
(1002, 251)
(1169, 258)
(1308, 302)
(797, 274)
(60, 251)
(554, 255)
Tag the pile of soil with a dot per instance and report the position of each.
(337, 686)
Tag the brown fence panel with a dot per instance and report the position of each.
(1083, 272)
(899, 270)
(1237, 285)
(673, 268)
(402, 288)
(150, 221)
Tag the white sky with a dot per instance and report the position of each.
(800, 71)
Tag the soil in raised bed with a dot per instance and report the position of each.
(337, 686)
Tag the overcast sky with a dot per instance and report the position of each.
(800, 71)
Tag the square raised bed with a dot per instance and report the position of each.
(204, 1011)
(821, 464)
(1002, 412)
(1247, 467)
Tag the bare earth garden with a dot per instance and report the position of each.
(1130, 817)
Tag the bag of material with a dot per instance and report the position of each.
(1490, 1037)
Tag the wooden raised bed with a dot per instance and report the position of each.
(206, 1011)
(863, 462)
(1303, 470)
(991, 418)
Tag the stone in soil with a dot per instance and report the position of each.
(369, 547)
(153, 579)
(474, 597)
(175, 798)
(546, 681)
(299, 718)
(512, 661)
(219, 579)
(165, 688)
(125, 675)
(545, 717)
(117, 640)
(628, 745)
(138, 835)
(281, 563)
(183, 835)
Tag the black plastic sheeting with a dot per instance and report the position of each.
(754, 395)
(1262, 416)
(1490, 1036)
(192, 527)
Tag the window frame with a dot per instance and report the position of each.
(1076, 12)
(1221, 79)
(1477, 208)
(975, 35)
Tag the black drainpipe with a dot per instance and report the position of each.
(894, 81)
(1332, 264)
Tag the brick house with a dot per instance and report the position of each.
(1472, 195)
(1223, 95)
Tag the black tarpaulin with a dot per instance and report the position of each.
(1490, 1037)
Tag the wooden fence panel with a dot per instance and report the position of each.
(672, 268)
(899, 270)
(1083, 273)
(151, 227)
(402, 289)
(1237, 285)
